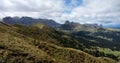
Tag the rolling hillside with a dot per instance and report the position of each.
(105, 40)
(42, 44)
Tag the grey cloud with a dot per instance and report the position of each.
(92, 11)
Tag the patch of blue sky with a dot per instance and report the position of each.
(73, 2)
(70, 4)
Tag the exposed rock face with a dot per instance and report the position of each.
(29, 21)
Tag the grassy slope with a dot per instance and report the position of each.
(107, 40)
(24, 48)
(15, 47)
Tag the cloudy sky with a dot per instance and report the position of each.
(105, 12)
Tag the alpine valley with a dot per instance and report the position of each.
(30, 40)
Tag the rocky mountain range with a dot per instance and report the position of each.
(29, 21)
(30, 40)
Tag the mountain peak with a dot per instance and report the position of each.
(29, 21)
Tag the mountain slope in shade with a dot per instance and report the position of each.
(95, 33)
(18, 46)
(84, 36)
(29, 21)
(105, 38)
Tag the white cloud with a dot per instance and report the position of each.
(32, 8)
(31, 5)
(96, 11)
(91, 11)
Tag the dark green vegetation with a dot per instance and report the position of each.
(42, 44)
(107, 40)
(104, 41)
